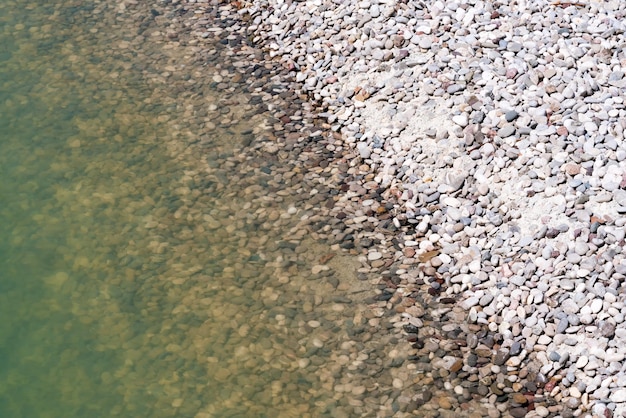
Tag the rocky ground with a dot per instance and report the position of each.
(474, 157)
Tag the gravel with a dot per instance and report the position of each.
(487, 141)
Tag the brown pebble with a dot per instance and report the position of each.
(444, 403)
(427, 256)
(518, 412)
(456, 366)
(572, 169)
(377, 263)
(496, 389)
(518, 398)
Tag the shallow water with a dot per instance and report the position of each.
(147, 268)
(76, 155)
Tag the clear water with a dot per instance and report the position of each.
(75, 155)
(139, 277)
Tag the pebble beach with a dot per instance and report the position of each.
(327, 208)
(477, 153)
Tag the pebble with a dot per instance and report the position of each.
(582, 362)
(619, 396)
(374, 255)
(391, 168)
(506, 131)
(499, 156)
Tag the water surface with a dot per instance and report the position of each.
(148, 266)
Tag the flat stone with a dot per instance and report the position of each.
(461, 120)
(506, 131)
(606, 329)
(619, 396)
(511, 115)
(516, 348)
(542, 411)
(619, 196)
(501, 357)
(582, 362)
(374, 255)
(444, 402)
(518, 412)
(596, 306)
(562, 325)
(469, 302)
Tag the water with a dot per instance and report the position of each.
(147, 266)
(73, 149)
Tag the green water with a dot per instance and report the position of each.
(66, 159)
(131, 281)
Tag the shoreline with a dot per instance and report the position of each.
(496, 238)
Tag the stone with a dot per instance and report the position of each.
(618, 396)
(461, 120)
(506, 131)
(444, 402)
(501, 357)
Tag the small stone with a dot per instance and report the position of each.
(562, 325)
(619, 396)
(472, 340)
(582, 362)
(485, 300)
(455, 179)
(461, 120)
(518, 412)
(562, 131)
(506, 131)
(472, 360)
(317, 269)
(456, 366)
(518, 398)
(544, 339)
(501, 357)
(511, 73)
(496, 389)
(364, 150)
(444, 402)
(516, 348)
(581, 248)
(607, 329)
(542, 411)
(619, 196)
(571, 168)
(469, 302)
(374, 255)
(596, 306)
(511, 115)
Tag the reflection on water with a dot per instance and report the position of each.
(144, 269)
